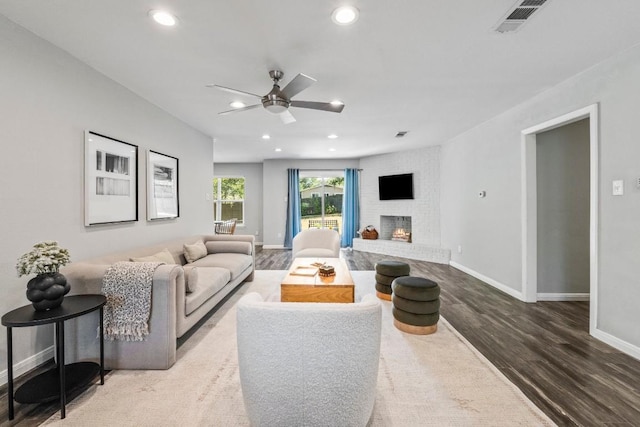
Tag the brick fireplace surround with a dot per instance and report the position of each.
(386, 246)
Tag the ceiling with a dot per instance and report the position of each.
(430, 67)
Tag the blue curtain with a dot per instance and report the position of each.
(294, 219)
(350, 208)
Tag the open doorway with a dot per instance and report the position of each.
(530, 221)
(562, 181)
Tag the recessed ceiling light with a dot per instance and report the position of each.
(345, 15)
(332, 136)
(237, 104)
(163, 18)
(266, 136)
(332, 149)
(336, 103)
(277, 150)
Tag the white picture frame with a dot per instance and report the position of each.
(163, 195)
(110, 180)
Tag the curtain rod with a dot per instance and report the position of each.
(326, 170)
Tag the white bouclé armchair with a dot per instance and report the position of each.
(308, 364)
(316, 243)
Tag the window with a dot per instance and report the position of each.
(228, 199)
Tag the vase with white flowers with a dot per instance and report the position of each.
(48, 288)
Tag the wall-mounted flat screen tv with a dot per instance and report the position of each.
(396, 187)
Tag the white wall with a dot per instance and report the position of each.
(562, 161)
(488, 158)
(275, 192)
(48, 99)
(424, 210)
(252, 173)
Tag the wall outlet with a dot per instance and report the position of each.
(257, 232)
(207, 196)
(279, 235)
(459, 249)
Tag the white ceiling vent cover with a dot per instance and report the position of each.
(518, 15)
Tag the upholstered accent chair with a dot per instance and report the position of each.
(316, 243)
(308, 364)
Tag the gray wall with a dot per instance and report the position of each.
(252, 172)
(488, 157)
(48, 99)
(562, 163)
(275, 192)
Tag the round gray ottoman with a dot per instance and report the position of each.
(386, 272)
(416, 305)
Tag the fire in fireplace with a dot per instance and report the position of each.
(401, 235)
(395, 228)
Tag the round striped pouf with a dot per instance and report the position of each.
(386, 273)
(416, 305)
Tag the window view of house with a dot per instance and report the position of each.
(228, 199)
(321, 202)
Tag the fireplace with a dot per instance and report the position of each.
(395, 228)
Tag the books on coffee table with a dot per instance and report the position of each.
(304, 270)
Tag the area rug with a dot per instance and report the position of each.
(433, 380)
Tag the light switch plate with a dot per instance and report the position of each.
(618, 187)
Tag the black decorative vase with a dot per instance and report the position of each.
(47, 290)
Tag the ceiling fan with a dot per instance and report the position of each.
(279, 100)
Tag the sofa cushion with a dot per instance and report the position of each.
(235, 263)
(209, 282)
(195, 251)
(190, 278)
(315, 253)
(226, 246)
(162, 256)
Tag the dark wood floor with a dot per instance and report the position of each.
(545, 349)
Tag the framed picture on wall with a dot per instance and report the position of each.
(110, 180)
(162, 186)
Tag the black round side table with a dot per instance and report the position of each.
(63, 379)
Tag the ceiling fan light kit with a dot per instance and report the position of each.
(278, 101)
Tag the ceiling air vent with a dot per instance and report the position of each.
(401, 133)
(518, 15)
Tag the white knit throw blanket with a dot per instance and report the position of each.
(127, 286)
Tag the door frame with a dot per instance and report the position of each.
(529, 204)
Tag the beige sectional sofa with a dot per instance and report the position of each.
(205, 269)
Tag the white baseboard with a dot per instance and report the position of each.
(273, 247)
(617, 343)
(578, 296)
(504, 288)
(27, 364)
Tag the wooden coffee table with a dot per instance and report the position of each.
(316, 288)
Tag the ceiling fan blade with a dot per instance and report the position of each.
(236, 91)
(235, 110)
(297, 85)
(324, 106)
(287, 117)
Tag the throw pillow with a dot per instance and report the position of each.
(190, 278)
(162, 256)
(195, 251)
(226, 246)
